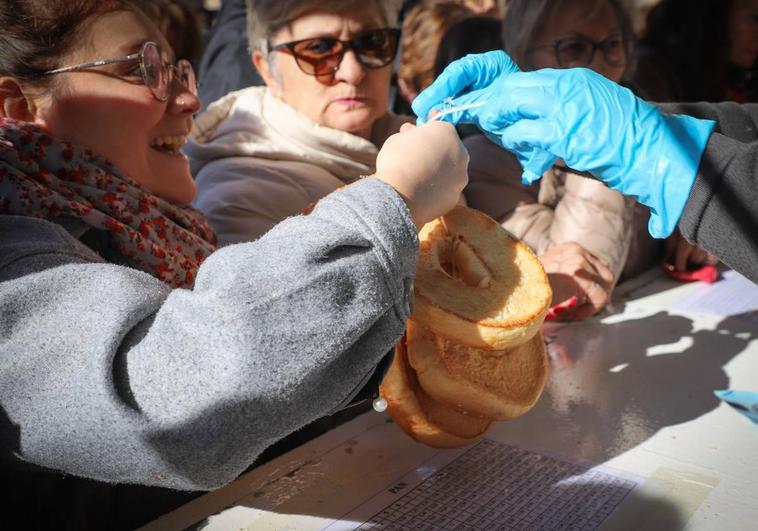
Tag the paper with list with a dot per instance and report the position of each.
(731, 295)
(493, 485)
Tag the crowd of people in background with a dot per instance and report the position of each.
(296, 103)
(588, 237)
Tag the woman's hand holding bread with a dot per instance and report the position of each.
(427, 166)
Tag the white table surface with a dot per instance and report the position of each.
(631, 389)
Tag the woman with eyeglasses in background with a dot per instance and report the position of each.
(131, 351)
(262, 154)
(586, 235)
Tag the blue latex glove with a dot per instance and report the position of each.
(592, 124)
(472, 72)
(467, 76)
(746, 402)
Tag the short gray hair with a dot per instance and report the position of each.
(266, 17)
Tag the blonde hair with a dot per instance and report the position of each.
(423, 29)
(266, 17)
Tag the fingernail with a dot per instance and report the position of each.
(562, 307)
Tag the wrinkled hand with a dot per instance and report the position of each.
(428, 166)
(574, 271)
(590, 122)
(681, 255)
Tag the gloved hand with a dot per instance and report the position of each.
(469, 76)
(472, 72)
(592, 124)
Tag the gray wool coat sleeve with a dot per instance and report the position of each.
(107, 373)
(721, 214)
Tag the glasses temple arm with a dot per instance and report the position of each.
(101, 62)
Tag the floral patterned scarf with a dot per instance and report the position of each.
(46, 178)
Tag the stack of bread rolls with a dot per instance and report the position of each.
(472, 353)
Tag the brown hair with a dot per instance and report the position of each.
(423, 29)
(473, 5)
(524, 19)
(180, 24)
(35, 34)
(266, 17)
(467, 36)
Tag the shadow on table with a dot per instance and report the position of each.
(536, 494)
(614, 385)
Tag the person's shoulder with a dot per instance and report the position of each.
(24, 231)
(234, 107)
(240, 173)
(38, 243)
(248, 183)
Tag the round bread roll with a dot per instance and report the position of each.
(476, 284)
(421, 417)
(498, 385)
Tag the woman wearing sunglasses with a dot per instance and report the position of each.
(586, 235)
(131, 351)
(262, 154)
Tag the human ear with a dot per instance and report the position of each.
(14, 102)
(266, 70)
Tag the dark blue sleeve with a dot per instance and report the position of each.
(226, 65)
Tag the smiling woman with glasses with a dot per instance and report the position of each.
(262, 154)
(133, 352)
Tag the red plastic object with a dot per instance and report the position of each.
(708, 274)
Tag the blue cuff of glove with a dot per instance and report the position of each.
(681, 146)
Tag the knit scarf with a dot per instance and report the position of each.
(46, 178)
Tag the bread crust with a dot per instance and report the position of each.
(478, 285)
(420, 416)
(473, 351)
(499, 385)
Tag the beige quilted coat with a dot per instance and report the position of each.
(257, 161)
(561, 207)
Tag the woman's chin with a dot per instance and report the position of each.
(354, 123)
(185, 195)
(175, 183)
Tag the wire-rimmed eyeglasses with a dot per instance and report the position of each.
(579, 50)
(157, 74)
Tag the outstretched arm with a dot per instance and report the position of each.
(107, 373)
(720, 214)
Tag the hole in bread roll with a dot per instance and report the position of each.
(458, 260)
